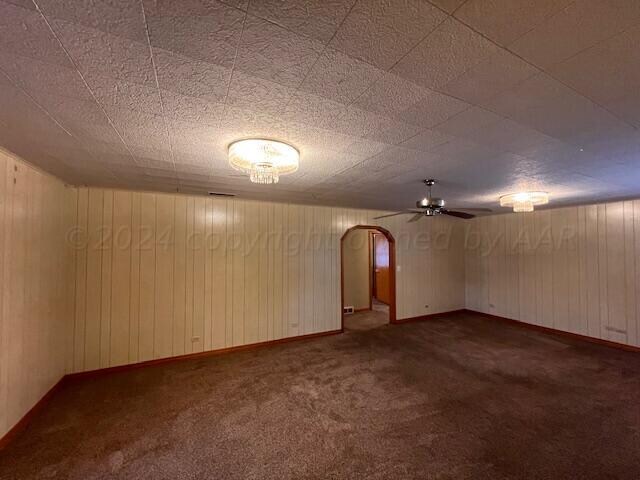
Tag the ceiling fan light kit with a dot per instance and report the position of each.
(263, 160)
(524, 201)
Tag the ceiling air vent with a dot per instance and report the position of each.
(219, 194)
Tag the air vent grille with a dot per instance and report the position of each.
(220, 194)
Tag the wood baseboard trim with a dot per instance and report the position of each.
(561, 333)
(27, 417)
(73, 377)
(431, 316)
(190, 356)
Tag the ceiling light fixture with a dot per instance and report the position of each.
(264, 160)
(524, 201)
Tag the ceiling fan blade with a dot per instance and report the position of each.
(453, 213)
(488, 210)
(416, 217)
(392, 214)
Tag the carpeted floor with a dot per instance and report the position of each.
(461, 397)
(377, 317)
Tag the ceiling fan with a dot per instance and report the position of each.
(430, 206)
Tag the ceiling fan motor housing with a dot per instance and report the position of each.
(432, 203)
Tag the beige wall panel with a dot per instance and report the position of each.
(580, 274)
(218, 244)
(238, 279)
(206, 273)
(121, 279)
(560, 274)
(134, 302)
(630, 273)
(81, 280)
(189, 292)
(93, 308)
(265, 289)
(36, 286)
(616, 327)
(106, 283)
(634, 331)
(164, 291)
(179, 276)
(148, 238)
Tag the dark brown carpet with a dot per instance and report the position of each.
(366, 320)
(452, 398)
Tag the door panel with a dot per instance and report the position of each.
(381, 258)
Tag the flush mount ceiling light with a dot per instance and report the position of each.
(264, 160)
(524, 201)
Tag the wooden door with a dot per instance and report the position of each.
(381, 268)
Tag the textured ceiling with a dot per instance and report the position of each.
(488, 96)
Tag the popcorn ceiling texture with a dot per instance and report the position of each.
(488, 97)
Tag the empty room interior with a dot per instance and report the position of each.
(305, 239)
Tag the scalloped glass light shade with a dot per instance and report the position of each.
(524, 201)
(264, 160)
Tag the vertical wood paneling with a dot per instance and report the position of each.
(616, 327)
(264, 290)
(37, 329)
(634, 330)
(593, 272)
(251, 273)
(202, 273)
(121, 279)
(278, 272)
(229, 274)
(208, 275)
(580, 274)
(68, 289)
(189, 292)
(630, 273)
(6, 187)
(106, 245)
(16, 285)
(293, 272)
(164, 290)
(80, 239)
(560, 280)
(148, 237)
(134, 302)
(93, 308)
(180, 276)
(218, 245)
(238, 294)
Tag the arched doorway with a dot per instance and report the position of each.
(392, 269)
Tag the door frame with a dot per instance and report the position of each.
(392, 269)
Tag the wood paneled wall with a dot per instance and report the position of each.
(574, 269)
(160, 275)
(36, 285)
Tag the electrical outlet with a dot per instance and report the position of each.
(195, 339)
(491, 305)
(614, 329)
(426, 306)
